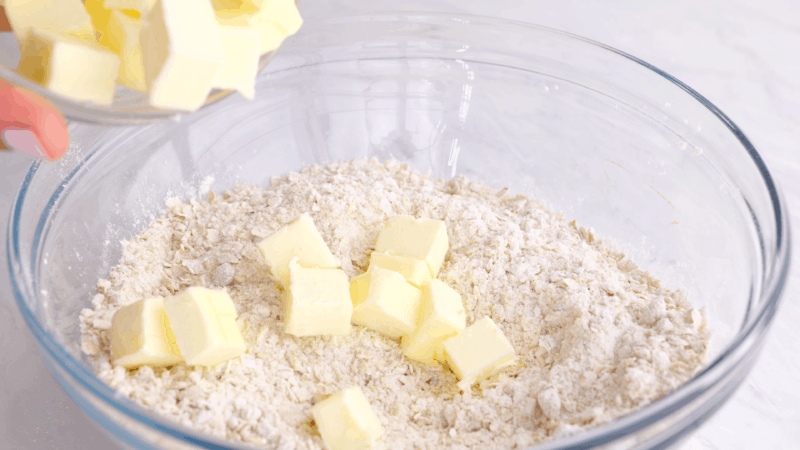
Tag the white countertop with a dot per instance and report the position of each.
(742, 55)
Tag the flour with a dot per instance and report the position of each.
(596, 337)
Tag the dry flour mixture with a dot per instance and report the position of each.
(596, 336)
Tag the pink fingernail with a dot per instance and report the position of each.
(24, 141)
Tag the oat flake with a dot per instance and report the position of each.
(596, 337)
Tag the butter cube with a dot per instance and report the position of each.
(55, 16)
(242, 49)
(271, 36)
(182, 53)
(76, 68)
(441, 317)
(258, 4)
(233, 8)
(359, 288)
(346, 421)
(413, 270)
(204, 323)
(478, 352)
(423, 239)
(276, 19)
(391, 306)
(141, 335)
(317, 301)
(98, 14)
(140, 6)
(235, 13)
(122, 37)
(282, 13)
(299, 239)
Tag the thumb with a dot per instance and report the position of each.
(29, 123)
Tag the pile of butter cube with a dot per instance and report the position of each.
(398, 296)
(197, 326)
(175, 50)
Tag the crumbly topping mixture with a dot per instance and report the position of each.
(596, 337)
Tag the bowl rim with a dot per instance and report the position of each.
(747, 339)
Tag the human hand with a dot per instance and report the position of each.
(28, 122)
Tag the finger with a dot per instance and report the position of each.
(4, 25)
(29, 123)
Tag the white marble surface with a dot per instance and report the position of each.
(741, 54)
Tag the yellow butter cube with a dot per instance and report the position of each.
(282, 13)
(441, 317)
(141, 335)
(413, 270)
(317, 301)
(182, 53)
(242, 49)
(235, 13)
(55, 16)
(391, 306)
(122, 37)
(257, 4)
(98, 13)
(478, 352)
(101, 15)
(423, 239)
(299, 239)
(346, 421)
(76, 68)
(276, 19)
(140, 6)
(271, 37)
(233, 8)
(359, 287)
(204, 323)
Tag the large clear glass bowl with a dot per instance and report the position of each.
(612, 141)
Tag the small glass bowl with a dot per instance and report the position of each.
(128, 108)
(610, 140)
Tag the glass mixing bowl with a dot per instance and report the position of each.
(612, 141)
